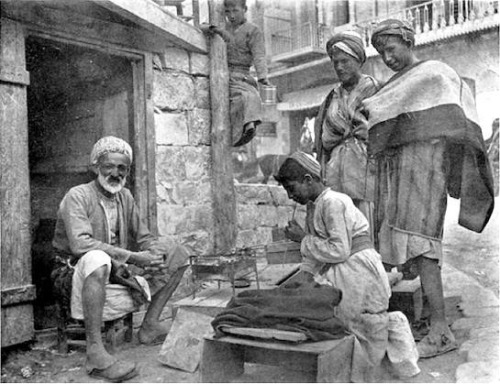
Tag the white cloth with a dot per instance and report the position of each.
(118, 301)
(362, 279)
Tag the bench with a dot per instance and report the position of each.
(328, 361)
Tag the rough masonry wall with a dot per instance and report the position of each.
(183, 164)
(182, 125)
(261, 209)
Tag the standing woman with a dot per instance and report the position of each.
(341, 129)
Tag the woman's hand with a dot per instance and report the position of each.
(294, 231)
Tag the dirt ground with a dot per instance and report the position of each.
(474, 254)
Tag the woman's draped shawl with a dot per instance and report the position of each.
(341, 132)
(310, 311)
(430, 101)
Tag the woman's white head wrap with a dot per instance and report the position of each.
(109, 144)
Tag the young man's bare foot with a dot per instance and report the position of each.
(439, 340)
(153, 333)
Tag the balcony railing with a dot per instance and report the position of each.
(439, 19)
(307, 36)
(433, 20)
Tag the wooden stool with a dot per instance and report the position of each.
(74, 333)
(328, 361)
(407, 298)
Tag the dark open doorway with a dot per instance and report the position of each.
(76, 95)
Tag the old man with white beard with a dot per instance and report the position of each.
(99, 232)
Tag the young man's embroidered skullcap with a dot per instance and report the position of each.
(308, 162)
(349, 42)
(394, 27)
(109, 144)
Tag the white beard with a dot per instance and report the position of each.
(112, 188)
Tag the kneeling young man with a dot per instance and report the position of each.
(337, 250)
(98, 229)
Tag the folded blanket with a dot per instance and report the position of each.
(430, 101)
(306, 310)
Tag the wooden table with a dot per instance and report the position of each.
(327, 361)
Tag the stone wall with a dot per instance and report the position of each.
(183, 162)
(261, 209)
(182, 125)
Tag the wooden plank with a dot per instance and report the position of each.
(65, 23)
(310, 347)
(151, 17)
(15, 209)
(18, 295)
(223, 192)
(150, 134)
(14, 74)
(265, 333)
(141, 172)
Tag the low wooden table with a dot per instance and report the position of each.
(329, 361)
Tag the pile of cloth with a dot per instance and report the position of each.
(310, 311)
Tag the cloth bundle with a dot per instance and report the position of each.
(310, 311)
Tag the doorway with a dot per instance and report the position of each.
(76, 95)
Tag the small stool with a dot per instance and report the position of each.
(74, 333)
(327, 361)
(407, 298)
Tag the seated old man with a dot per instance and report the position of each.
(99, 232)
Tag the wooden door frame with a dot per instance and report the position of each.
(144, 140)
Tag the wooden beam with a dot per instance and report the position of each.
(54, 21)
(223, 192)
(151, 17)
(18, 295)
(15, 209)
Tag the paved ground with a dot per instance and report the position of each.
(470, 276)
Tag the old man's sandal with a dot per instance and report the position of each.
(427, 349)
(116, 373)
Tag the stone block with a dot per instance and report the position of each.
(202, 90)
(170, 164)
(253, 194)
(484, 350)
(175, 58)
(474, 322)
(246, 238)
(267, 215)
(474, 339)
(475, 296)
(171, 128)
(279, 196)
(264, 236)
(201, 241)
(469, 311)
(172, 218)
(198, 162)
(484, 332)
(478, 372)
(246, 216)
(200, 64)
(186, 193)
(173, 91)
(199, 121)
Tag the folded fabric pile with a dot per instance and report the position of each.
(306, 310)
